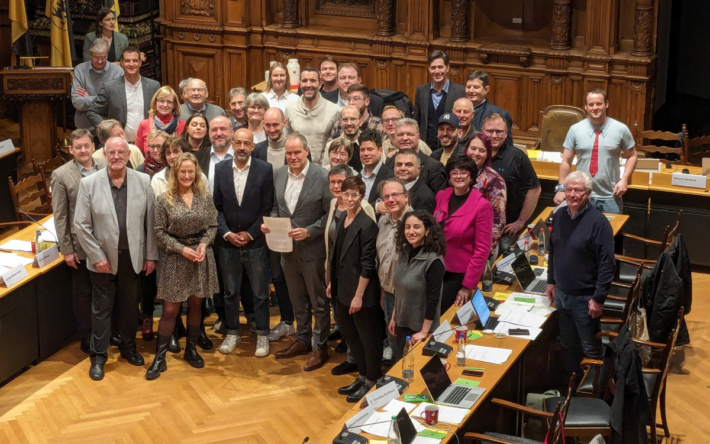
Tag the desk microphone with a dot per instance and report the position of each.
(20, 210)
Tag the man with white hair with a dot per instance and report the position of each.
(195, 95)
(581, 268)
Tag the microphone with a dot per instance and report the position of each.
(305, 440)
(20, 210)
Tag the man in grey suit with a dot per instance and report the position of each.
(126, 99)
(302, 194)
(114, 222)
(435, 98)
(65, 186)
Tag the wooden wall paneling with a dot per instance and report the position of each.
(204, 63)
(533, 103)
(204, 12)
(601, 26)
(506, 93)
(237, 12)
(555, 87)
(422, 19)
(235, 71)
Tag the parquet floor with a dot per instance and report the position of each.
(243, 399)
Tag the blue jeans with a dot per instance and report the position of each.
(614, 205)
(234, 261)
(577, 331)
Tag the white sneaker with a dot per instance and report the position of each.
(282, 329)
(262, 346)
(230, 341)
(387, 354)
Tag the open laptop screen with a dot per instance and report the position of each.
(435, 377)
(481, 308)
(523, 271)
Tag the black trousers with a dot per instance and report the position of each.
(149, 289)
(364, 333)
(452, 284)
(81, 299)
(114, 292)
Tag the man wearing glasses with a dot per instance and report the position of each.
(196, 95)
(89, 77)
(517, 171)
(114, 222)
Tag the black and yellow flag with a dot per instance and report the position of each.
(113, 5)
(18, 17)
(56, 10)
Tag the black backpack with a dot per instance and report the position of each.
(396, 98)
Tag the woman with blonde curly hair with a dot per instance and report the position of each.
(185, 227)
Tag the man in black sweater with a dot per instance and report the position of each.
(581, 268)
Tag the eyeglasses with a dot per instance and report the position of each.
(118, 153)
(347, 195)
(82, 147)
(165, 101)
(196, 90)
(496, 132)
(355, 99)
(457, 173)
(155, 147)
(575, 190)
(392, 120)
(392, 196)
(99, 58)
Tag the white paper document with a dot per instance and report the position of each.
(17, 245)
(523, 318)
(503, 327)
(491, 355)
(396, 405)
(379, 424)
(10, 260)
(50, 231)
(451, 415)
(278, 240)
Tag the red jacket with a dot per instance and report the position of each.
(468, 233)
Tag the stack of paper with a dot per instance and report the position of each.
(491, 355)
(10, 260)
(17, 245)
(519, 317)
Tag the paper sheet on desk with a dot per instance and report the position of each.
(540, 307)
(503, 327)
(278, 240)
(10, 260)
(523, 318)
(379, 424)
(451, 415)
(395, 406)
(491, 355)
(17, 245)
(50, 231)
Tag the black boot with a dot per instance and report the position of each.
(159, 365)
(174, 345)
(202, 340)
(191, 356)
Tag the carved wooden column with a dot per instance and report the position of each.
(385, 11)
(561, 24)
(290, 12)
(459, 20)
(643, 24)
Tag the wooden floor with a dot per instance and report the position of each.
(243, 399)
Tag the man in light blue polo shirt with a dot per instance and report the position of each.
(599, 141)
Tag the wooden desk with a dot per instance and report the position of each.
(36, 317)
(617, 221)
(8, 168)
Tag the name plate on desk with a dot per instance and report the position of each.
(6, 146)
(689, 180)
(382, 396)
(46, 257)
(465, 313)
(13, 275)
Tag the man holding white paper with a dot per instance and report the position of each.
(65, 186)
(302, 194)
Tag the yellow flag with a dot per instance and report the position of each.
(59, 32)
(18, 16)
(113, 4)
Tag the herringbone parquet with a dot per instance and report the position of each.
(243, 399)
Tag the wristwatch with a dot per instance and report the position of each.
(559, 188)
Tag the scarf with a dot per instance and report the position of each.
(169, 127)
(151, 166)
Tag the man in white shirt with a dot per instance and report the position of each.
(221, 137)
(302, 195)
(126, 99)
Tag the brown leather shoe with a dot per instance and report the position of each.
(317, 359)
(294, 349)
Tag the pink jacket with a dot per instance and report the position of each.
(468, 233)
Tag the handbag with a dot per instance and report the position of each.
(638, 324)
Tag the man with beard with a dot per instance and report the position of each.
(196, 94)
(390, 116)
(407, 137)
(448, 137)
(359, 96)
(349, 75)
(350, 130)
(312, 116)
(243, 195)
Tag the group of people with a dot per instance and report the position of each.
(393, 218)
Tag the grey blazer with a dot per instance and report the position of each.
(65, 186)
(96, 222)
(311, 209)
(110, 102)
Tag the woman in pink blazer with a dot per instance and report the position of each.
(467, 219)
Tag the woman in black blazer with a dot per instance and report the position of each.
(355, 287)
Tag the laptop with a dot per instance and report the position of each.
(442, 391)
(482, 309)
(526, 276)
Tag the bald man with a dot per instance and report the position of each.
(463, 109)
(196, 94)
